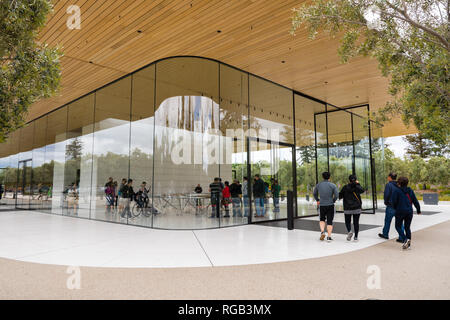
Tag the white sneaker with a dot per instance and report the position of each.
(349, 236)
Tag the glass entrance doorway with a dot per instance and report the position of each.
(273, 162)
(24, 189)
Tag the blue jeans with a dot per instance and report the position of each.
(259, 205)
(390, 213)
(276, 204)
(246, 206)
(236, 207)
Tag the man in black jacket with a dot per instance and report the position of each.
(351, 193)
(259, 194)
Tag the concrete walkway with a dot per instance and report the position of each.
(420, 273)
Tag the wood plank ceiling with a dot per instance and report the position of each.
(120, 36)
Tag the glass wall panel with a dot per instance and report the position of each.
(55, 155)
(271, 146)
(321, 145)
(175, 126)
(141, 148)
(24, 191)
(362, 154)
(305, 109)
(11, 174)
(187, 143)
(340, 148)
(233, 126)
(39, 189)
(8, 174)
(78, 157)
(111, 150)
(378, 163)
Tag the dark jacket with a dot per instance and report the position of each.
(198, 189)
(127, 192)
(235, 190)
(259, 189)
(388, 190)
(403, 199)
(351, 193)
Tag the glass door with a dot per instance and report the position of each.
(272, 162)
(24, 190)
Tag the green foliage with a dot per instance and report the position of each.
(421, 173)
(28, 70)
(409, 39)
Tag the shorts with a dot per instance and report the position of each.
(327, 214)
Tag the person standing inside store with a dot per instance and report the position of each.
(389, 189)
(215, 189)
(326, 193)
(127, 195)
(276, 189)
(198, 202)
(226, 200)
(351, 193)
(259, 193)
(403, 198)
(236, 194)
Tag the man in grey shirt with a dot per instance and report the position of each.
(326, 194)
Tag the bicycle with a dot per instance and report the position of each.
(141, 206)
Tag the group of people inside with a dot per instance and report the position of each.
(398, 198)
(237, 194)
(120, 196)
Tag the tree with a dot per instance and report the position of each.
(409, 39)
(28, 70)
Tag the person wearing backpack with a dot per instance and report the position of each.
(403, 198)
(351, 194)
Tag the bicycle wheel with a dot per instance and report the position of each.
(137, 210)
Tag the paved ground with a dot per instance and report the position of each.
(420, 273)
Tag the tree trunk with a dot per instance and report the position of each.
(424, 186)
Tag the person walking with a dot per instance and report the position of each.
(215, 189)
(236, 194)
(403, 198)
(389, 189)
(351, 193)
(326, 194)
(259, 194)
(276, 189)
(245, 196)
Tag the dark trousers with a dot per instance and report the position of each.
(402, 218)
(348, 223)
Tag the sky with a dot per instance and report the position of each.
(397, 145)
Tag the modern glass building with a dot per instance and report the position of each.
(179, 123)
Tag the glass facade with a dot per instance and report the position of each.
(146, 149)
